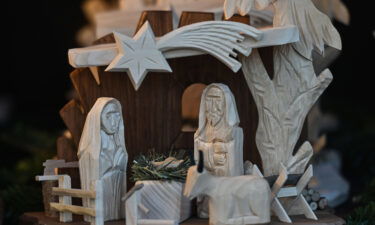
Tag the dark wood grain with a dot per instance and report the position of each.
(67, 150)
(239, 19)
(108, 38)
(161, 21)
(73, 116)
(188, 18)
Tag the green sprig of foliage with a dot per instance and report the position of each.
(363, 216)
(143, 169)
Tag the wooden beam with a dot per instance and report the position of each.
(47, 178)
(72, 209)
(101, 55)
(78, 193)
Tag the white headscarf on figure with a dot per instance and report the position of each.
(90, 144)
(231, 115)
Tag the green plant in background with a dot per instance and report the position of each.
(144, 168)
(24, 149)
(363, 215)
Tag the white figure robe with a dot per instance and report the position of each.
(102, 157)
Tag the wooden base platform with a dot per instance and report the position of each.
(38, 218)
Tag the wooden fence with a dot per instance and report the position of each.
(65, 207)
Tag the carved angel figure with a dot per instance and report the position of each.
(218, 135)
(102, 155)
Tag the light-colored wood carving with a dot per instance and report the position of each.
(221, 39)
(283, 103)
(72, 209)
(243, 7)
(316, 29)
(65, 182)
(102, 55)
(134, 208)
(102, 156)
(163, 200)
(218, 136)
(138, 55)
(218, 38)
(98, 202)
(51, 166)
(65, 207)
(298, 205)
(170, 162)
(132, 201)
(277, 191)
(47, 178)
(287, 201)
(246, 202)
(73, 192)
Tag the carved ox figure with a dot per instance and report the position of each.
(238, 200)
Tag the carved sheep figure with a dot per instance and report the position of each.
(238, 200)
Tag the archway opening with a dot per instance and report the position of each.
(190, 103)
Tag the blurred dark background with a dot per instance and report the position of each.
(35, 85)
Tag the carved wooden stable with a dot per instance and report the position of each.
(152, 114)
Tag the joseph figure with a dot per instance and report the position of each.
(218, 136)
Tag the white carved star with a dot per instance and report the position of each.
(138, 55)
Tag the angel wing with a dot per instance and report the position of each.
(218, 38)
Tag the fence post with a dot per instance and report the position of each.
(65, 182)
(99, 218)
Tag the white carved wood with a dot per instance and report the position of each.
(297, 204)
(65, 207)
(132, 202)
(102, 156)
(51, 166)
(246, 202)
(283, 104)
(279, 211)
(316, 29)
(217, 38)
(138, 55)
(163, 200)
(218, 136)
(47, 178)
(65, 182)
(280, 181)
(170, 162)
(98, 202)
(287, 201)
(243, 6)
(277, 192)
(103, 54)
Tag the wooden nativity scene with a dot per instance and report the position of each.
(132, 155)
